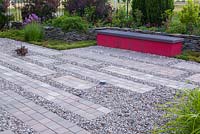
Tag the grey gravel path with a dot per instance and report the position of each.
(61, 92)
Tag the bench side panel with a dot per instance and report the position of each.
(139, 45)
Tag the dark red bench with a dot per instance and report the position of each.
(147, 43)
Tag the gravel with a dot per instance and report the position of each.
(132, 113)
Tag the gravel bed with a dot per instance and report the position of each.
(132, 113)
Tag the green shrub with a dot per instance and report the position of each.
(67, 23)
(120, 19)
(175, 26)
(153, 10)
(33, 32)
(183, 114)
(190, 14)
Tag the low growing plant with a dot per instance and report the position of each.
(183, 114)
(33, 32)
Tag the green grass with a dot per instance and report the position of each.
(190, 56)
(62, 45)
(53, 44)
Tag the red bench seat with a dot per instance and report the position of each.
(147, 43)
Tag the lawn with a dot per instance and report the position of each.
(53, 44)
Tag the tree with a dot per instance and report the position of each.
(127, 6)
(153, 10)
(3, 8)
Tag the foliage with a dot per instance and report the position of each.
(187, 21)
(138, 17)
(91, 9)
(33, 32)
(190, 15)
(183, 114)
(31, 19)
(3, 7)
(176, 26)
(190, 55)
(67, 23)
(121, 20)
(44, 9)
(152, 10)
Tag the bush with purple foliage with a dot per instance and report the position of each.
(44, 9)
(93, 10)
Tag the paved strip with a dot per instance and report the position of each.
(7, 132)
(68, 101)
(74, 82)
(194, 78)
(150, 78)
(119, 82)
(35, 69)
(42, 59)
(37, 117)
(127, 53)
(42, 50)
(80, 60)
(166, 71)
(188, 66)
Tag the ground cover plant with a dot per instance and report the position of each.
(183, 114)
(190, 55)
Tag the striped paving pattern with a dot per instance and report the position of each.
(161, 70)
(69, 101)
(41, 59)
(119, 82)
(149, 78)
(79, 60)
(74, 82)
(35, 69)
(188, 66)
(37, 117)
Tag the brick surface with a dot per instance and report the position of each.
(74, 82)
(7, 132)
(127, 53)
(161, 70)
(42, 59)
(119, 82)
(194, 78)
(80, 60)
(149, 78)
(42, 50)
(35, 69)
(66, 100)
(52, 124)
(188, 66)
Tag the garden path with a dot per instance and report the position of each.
(87, 90)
